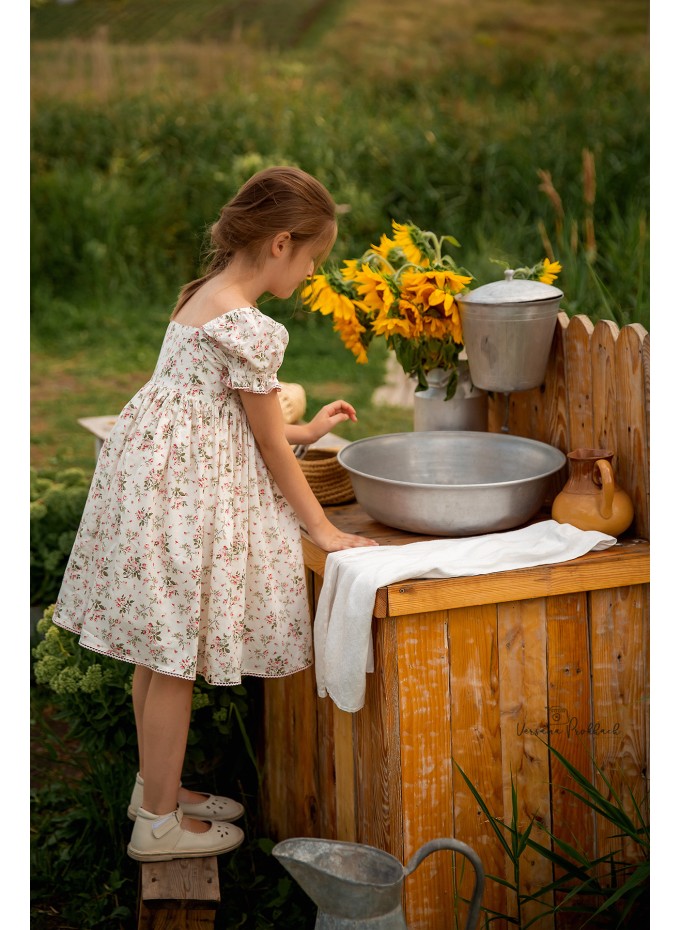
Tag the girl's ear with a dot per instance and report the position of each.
(280, 243)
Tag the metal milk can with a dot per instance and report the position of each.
(466, 410)
(357, 886)
(507, 330)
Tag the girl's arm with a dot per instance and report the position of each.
(328, 417)
(266, 421)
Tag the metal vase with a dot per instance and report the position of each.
(357, 886)
(466, 410)
(508, 329)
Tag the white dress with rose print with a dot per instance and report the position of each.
(188, 559)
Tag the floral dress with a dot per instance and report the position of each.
(188, 559)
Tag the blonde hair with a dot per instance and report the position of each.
(278, 199)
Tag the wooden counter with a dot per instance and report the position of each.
(479, 671)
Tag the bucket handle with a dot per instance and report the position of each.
(469, 853)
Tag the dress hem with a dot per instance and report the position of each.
(226, 684)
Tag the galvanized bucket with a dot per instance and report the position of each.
(507, 329)
(356, 886)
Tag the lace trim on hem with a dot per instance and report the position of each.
(162, 671)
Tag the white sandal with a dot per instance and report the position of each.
(160, 838)
(214, 807)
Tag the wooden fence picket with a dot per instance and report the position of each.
(595, 394)
(579, 382)
(603, 359)
(632, 439)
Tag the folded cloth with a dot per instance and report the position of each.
(342, 628)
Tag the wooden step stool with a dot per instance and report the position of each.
(182, 894)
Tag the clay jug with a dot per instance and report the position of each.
(591, 499)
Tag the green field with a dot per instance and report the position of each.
(147, 115)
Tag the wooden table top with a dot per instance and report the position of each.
(626, 563)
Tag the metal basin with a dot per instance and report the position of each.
(451, 482)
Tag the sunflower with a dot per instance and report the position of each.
(320, 295)
(374, 289)
(404, 290)
(333, 294)
(384, 325)
(411, 244)
(385, 246)
(351, 333)
(549, 271)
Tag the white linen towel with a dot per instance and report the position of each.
(342, 628)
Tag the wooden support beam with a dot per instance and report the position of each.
(182, 894)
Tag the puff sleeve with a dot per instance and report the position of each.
(252, 346)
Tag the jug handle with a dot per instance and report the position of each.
(608, 487)
(469, 853)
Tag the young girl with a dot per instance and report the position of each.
(188, 559)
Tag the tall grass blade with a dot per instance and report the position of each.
(639, 877)
(487, 813)
(595, 799)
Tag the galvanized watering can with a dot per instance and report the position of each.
(357, 886)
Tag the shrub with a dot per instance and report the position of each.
(56, 508)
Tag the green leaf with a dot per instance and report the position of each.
(639, 878)
(487, 813)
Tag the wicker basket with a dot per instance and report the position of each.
(293, 401)
(326, 476)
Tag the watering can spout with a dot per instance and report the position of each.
(354, 885)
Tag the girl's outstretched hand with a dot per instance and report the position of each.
(331, 539)
(329, 416)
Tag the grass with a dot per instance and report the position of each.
(146, 116)
(67, 390)
(103, 366)
(355, 26)
(166, 20)
(608, 891)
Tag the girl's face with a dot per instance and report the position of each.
(300, 262)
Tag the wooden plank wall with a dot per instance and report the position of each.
(488, 687)
(596, 394)
(485, 688)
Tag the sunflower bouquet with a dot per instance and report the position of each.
(404, 290)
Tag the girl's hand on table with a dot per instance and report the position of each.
(331, 539)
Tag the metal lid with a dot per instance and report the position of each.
(511, 291)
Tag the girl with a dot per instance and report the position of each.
(188, 559)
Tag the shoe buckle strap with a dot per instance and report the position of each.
(164, 824)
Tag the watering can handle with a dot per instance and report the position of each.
(469, 853)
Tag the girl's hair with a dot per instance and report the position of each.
(279, 199)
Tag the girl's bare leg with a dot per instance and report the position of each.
(141, 680)
(162, 705)
(140, 686)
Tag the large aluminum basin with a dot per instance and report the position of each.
(451, 482)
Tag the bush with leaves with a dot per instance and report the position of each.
(91, 694)
(57, 504)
